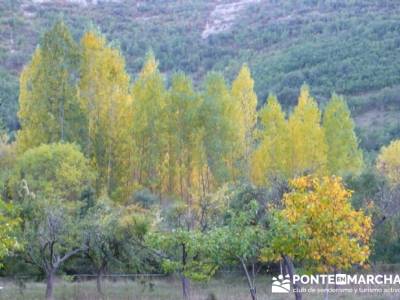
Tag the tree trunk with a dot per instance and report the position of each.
(185, 287)
(99, 279)
(290, 269)
(49, 285)
(185, 281)
(250, 280)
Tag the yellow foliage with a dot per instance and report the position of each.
(388, 162)
(246, 99)
(307, 138)
(270, 160)
(336, 235)
(107, 105)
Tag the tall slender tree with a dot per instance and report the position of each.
(270, 160)
(220, 116)
(105, 99)
(243, 93)
(344, 156)
(149, 126)
(184, 139)
(308, 146)
(49, 110)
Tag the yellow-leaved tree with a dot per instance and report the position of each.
(388, 162)
(243, 93)
(270, 160)
(319, 227)
(344, 156)
(308, 149)
(149, 127)
(107, 105)
(185, 158)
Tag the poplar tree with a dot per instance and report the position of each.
(149, 126)
(49, 110)
(344, 156)
(105, 99)
(184, 139)
(308, 153)
(270, 160)
(220, 115)
(243, 93)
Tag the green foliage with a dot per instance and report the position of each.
(344, 156)
(49, 110)
(148, 124)
(115, 236)
(221, 131)
(184, 252)
(9, 225)
(55, 170)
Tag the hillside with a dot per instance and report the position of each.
(351, 47)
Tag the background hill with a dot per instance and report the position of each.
(348, 46)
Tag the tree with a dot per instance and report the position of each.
(182, 250)
(184, 151)
(219, 115)
(9, 223)
(49, 110)
(114, 236)
(319, 227)
(271, 159)
(243, 93)
(240, 241)
(55, 170)
(181, 239)
(344, 156)
(8, 156)
(307, 138)
(388, 162)
(105, 100)
(148, 125)
(52, 233)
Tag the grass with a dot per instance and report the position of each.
(224, 288)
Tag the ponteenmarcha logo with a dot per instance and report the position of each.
(281, 284)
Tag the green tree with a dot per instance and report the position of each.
(51, 232)
(240, 241)
(344, 156)
(9, 225)
(114, 236)
(148, 125)
(182, 246)
(221, 130)
(49, 110)
(55, 170)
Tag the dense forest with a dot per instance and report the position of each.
(109, 174)
(348, 47)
